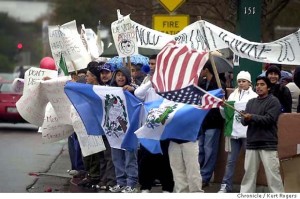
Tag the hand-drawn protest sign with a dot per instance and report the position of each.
(52, 129)
(124, 37)
(31, 105)
(90, 39)
(89, 144)
(64, 40)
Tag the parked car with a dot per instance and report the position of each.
(8, 100)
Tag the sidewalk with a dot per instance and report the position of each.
(57, 180)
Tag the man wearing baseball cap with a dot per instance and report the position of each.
(106, 73)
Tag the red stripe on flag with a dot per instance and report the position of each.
(158, 80)
(174, 65)
(194, 73)
(182, 72)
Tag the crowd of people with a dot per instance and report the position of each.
(186, 166)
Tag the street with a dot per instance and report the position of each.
(23, 154)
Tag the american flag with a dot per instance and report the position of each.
(210, 99)
(177, 72)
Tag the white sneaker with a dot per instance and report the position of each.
(223, 189)
(73, 172)
(129, 189)
(117, 189)
(145, 191)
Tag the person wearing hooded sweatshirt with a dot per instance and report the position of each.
(240, 96)
(278, 90)
(125, 162)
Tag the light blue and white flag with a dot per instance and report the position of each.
(169, 120)
(107, 110)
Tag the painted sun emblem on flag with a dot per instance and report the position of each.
(158, 116)
(115, 123)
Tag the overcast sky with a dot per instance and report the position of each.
(24, 11)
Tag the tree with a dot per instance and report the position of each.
(221, 13)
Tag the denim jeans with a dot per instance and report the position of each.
(236, 145)
(75, 153)
(208, 152)
(126, 167)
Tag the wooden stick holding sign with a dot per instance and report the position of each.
(216, 74)
(212, 61)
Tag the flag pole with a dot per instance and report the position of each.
(225, 103)
(212, 61)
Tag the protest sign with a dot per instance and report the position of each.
(65, 41)
(124, 37)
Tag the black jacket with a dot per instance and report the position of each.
(284, 95)
(213, 119)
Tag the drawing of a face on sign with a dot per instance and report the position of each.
(127, 47)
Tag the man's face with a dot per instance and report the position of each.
(261, 88)
(90, 78)
(273, 77)
(135, 72)
(105, 76)
(152, 64)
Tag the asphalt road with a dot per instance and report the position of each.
(22, 154)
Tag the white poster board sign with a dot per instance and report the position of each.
(124, 37)
(64, 40)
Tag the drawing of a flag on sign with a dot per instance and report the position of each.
(107, 110)
(169, 120)
(177, 71)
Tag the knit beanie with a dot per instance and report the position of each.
(244, 75)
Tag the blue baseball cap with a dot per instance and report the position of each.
(107, 67)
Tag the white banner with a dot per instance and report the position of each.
(204, 36)
(124, 37)
(32, 104)
(53, 89)
(52, 129)
(65, 40)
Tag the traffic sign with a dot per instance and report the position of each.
(170, 24)
(171, 5)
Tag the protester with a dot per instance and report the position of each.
(240, 96)
(107, 169)
(77, 167)
(261, 116)
(210, 131)
(295, 92)
(92, 162)
(152, 166)
(278, 90)
(125, 162)
(297, 82)
(137, 74)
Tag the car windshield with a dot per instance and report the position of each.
(5, 87)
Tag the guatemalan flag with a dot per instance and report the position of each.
(177, 72)
(170, 120)
(107, 111)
